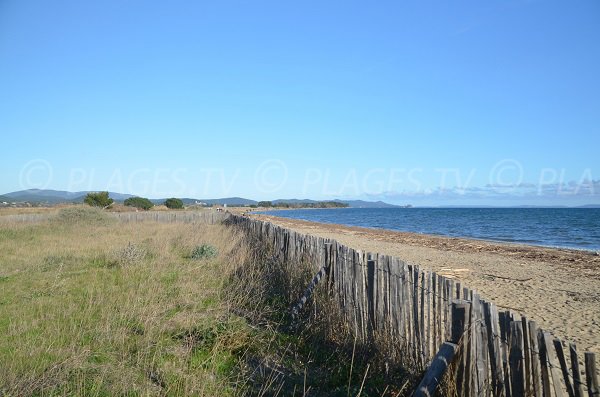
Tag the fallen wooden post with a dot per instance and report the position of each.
(437, 368)
(308, 292)
(448, 351)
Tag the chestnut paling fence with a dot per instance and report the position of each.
(210, 217)
(436, 320)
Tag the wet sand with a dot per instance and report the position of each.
(558, 288)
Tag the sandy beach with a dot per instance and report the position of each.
(558, 288)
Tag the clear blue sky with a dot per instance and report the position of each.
(472, 102)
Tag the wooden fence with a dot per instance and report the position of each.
(207, 216)
(499, 353)
(25, 218)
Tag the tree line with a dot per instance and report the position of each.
(316, 204)
(103, 200)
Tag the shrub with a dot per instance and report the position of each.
(82, 214)
(130, 255)
(204, 251)
(174, 203)
(98, 199)
(139, 202)
(265, 204)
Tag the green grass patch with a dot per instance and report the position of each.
(204, 251)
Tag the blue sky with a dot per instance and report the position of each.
(464, 102)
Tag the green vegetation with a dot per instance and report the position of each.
(174, 203)
(265, 204)
(81, 214)
(204, 251)
(92, 306)
(98, 199)
(139, 202)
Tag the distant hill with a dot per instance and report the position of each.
(367, 204)
(48, 196)
(56, 196)
(231, 201)
(294, 201)
(350, 203)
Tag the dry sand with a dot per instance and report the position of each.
(558, 288)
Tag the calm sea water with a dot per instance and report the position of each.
(554, 227)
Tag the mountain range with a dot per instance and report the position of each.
(59, 196)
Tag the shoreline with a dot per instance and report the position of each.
(591, 250)
(585, 251)
(557, 287)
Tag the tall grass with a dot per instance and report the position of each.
(91, 306)
(318, 353)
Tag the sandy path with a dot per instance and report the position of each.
(560, 289)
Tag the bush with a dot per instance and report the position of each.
(82, 214)
(265, 204)
(130, 255)
(139, 202)
(174, 203)
(204, 251)
(98, 199)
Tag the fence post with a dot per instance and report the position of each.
(591, 374)
(560, 354)
(461, 314)
(517, 359)
(371, 292)
(577, 383)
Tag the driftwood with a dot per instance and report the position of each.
(521, 280)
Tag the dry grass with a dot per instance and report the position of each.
(90, 306)
(316, 355)
(28, 210)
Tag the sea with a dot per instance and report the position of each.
(576, 228)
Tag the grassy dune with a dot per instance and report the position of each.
(90, 306)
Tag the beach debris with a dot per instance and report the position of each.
(453, 272)
(493, 276)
